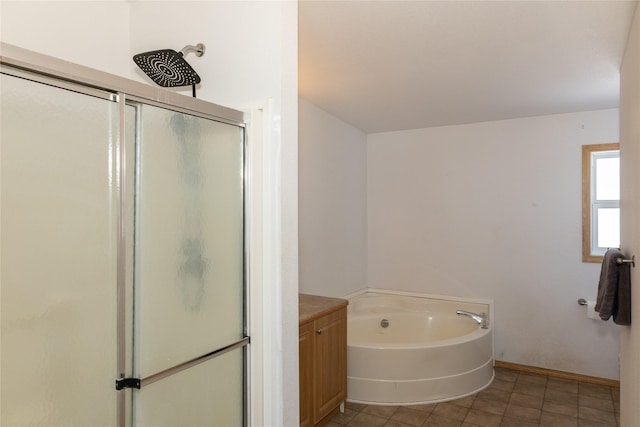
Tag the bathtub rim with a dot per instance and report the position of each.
(470, 300)
(377, 291)
(426, 344)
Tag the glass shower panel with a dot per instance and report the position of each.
(58, 258)
(189, 252)
(209, 394)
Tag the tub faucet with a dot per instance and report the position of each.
(480, 318)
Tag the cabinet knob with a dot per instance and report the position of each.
(318, 331)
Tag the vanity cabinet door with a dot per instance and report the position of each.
(306, 374)
(330, 367)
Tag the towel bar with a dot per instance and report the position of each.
(631, 261)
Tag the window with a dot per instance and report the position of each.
(600, 200)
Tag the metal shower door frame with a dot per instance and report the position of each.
(66, 75)
(123, 382)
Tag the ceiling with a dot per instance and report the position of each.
(393, 65)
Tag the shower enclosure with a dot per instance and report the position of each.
(123, 294)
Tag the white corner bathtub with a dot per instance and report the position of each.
(426, 353)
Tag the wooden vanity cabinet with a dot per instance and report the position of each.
(323, 361)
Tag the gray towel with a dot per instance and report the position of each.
(614, 289)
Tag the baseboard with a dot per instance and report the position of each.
(557, 374)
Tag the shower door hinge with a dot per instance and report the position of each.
(128, 383)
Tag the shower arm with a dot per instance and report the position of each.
(197, 49)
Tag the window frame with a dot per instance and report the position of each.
(588, 229)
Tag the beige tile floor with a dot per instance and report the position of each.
(513, 399)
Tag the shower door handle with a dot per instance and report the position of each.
(123, 383)
(138, 383)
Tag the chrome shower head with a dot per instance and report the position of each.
(168, 68)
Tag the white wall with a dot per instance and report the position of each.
(493, 210)
(251, 62)
(91, 33)
(332, 212)
(630, 219)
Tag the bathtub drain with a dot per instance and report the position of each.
(384, 323)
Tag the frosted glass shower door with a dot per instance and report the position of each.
(58, 258)
(189, 271)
